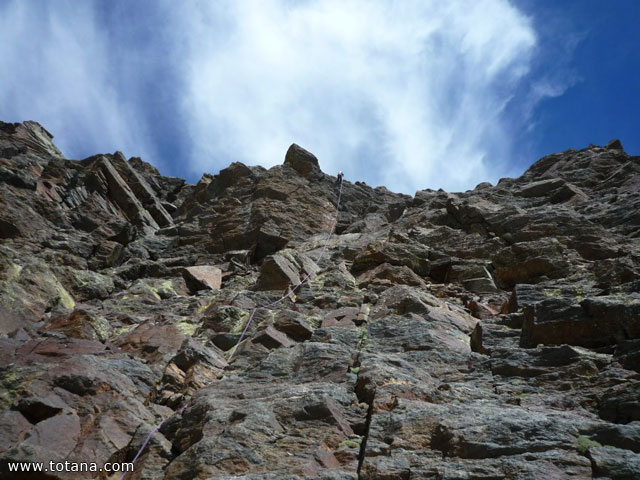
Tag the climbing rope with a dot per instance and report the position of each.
(255, 309)
(298, 285)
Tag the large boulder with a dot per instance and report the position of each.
(203, 277)
(302, 161)
(285, 269)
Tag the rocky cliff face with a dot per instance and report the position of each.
(490, 334)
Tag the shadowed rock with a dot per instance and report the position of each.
(302, 161)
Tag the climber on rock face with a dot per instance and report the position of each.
(339, 178)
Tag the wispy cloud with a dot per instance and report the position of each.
(408, 94)
(57, 68)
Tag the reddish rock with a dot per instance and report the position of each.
(481, 311)
(152, 340)
(203, 277)
(271, 338)
(419, 389)
(79, 324)
(390, 275)
(51, 349)
(343, 317)
(302, 161)
(293, 325)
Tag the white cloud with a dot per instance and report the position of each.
(547, 87)
(407, 94)
(54, 59)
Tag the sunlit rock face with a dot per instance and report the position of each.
(493, 333)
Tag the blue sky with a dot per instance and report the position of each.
(409, 94)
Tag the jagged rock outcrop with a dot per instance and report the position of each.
(493, 333)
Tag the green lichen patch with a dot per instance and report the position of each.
(120, 330)
(239, 322)
(165, 289)
(187, 327)
(64, 298)
(210, 301)
(351, 443)
(584, 443)
(142, 288)
(31, 288)
(101, 326)
(10, 381)
(91, 284)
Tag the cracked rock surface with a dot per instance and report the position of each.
(489, 334)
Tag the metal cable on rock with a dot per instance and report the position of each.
(255, 309)
(295, 287)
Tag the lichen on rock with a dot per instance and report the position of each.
(493, 333)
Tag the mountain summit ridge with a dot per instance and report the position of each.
(492, 333)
